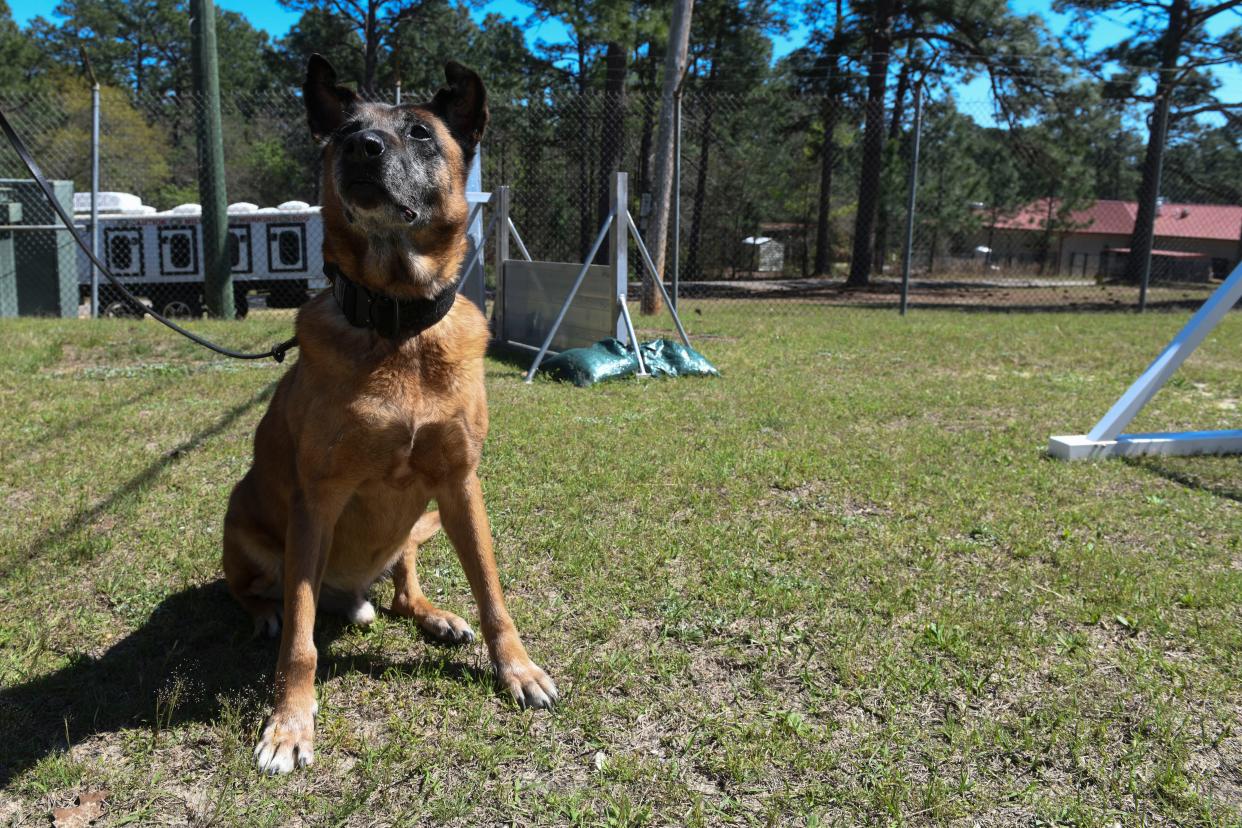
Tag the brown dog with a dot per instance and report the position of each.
(384, 410)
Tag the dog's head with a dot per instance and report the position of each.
(394, 177)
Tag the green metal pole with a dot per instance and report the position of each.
(217, 275)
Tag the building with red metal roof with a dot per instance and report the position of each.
(1192, 241)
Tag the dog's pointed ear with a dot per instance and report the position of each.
(462, 105)
(327, 105)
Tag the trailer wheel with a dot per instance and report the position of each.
(182, 307)
(241, 303)
(290, 294)
(117, 309)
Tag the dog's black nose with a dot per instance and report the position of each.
(365, 144)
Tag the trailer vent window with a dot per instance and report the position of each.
(120, 253)
(179, 251)
(286, 248)
(290, 248)
(234, 251)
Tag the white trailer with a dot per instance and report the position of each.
(276, 251)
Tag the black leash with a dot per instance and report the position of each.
(276, 352)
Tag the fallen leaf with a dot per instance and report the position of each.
(87, 808)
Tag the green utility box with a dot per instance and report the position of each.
(10, 214)
(43, 266)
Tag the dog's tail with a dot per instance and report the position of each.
(425, 527)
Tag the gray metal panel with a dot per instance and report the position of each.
(534, 293)
(44, 260)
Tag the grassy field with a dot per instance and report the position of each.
(840, 585)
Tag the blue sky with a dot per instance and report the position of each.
(269, 15)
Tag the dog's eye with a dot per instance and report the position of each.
(420, 133)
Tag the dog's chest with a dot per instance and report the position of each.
(423, 457)
(416, 439)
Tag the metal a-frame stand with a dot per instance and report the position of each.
(621, 225)
(1106, 439)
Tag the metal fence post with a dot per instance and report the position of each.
(911, 198)
(94, 192)
(620, 249)
(676, 198)
(1162, 129)
(217, 272)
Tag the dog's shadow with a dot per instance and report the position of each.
(194, 651)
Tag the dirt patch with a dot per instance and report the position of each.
(820, 496)
(1221, 768)
(18, 499)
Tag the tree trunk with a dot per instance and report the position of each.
(1237, 258)
(805, 255)
(1118, 167)
(987, 257)
(586, 228)
(370, 43)
(884, 213)
(828, 153)
(674, 68)
(1046, 244)
(1141, 241)
(823, 219)
(693, 264)
(139, 62)
(879, 46)
(935, 223)
(612, 137)
(646, 84)
(827, 160)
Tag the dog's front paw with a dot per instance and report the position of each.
(438, 626)
(446, 629)
(288, 742)
(528, 683)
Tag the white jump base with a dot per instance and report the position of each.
(1106, 439)
(1082, 447)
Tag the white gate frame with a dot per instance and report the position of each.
(1106, 439)
(472, 270)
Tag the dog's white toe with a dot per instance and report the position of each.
(287, 743)
(267, 625)
(362, 613)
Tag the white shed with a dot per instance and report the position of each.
(768, 255)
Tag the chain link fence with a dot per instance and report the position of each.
(1025, 217)
(1008, 216)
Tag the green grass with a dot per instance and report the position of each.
(840, 585)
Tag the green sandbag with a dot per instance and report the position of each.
(665, 358)
(608, 359)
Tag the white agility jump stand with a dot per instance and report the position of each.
(472, 281)
(1106, 439)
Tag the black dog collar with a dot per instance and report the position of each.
(388, 316)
